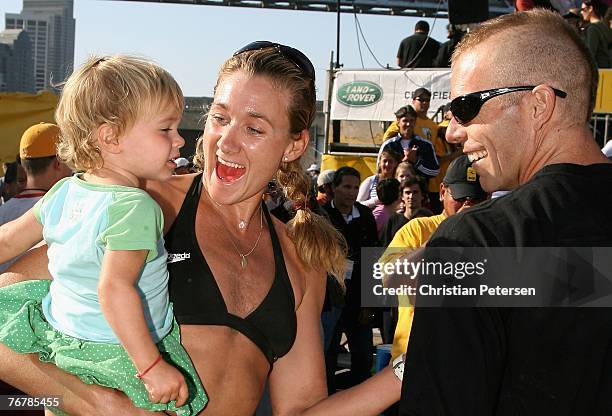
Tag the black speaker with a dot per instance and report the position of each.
(472, 11)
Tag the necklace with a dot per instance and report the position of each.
(243, 256)
(241, 225)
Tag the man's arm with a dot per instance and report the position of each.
(427, 163)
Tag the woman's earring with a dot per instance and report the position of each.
(285, 158)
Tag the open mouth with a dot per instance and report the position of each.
(477, 155)
(228, 171)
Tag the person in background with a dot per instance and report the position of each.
(418, 50)
(183, 166)
(357, 225)
(413, 196)
(313, 172)
(37, 151)
(404, 171)
(446, 153)
(13, 181)
(459, 191)
(387, 162)
(324, 186)
(597, 33)
(446, 49)
(419, 152)
(387, 191)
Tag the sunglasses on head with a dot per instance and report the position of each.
(466, 107)
(297, 57)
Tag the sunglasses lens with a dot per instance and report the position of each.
(465, 108)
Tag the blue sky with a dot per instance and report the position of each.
(192, 41)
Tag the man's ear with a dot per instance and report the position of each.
(542, 103)
(297, 147)
(107, 139)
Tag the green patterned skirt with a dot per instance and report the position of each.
(24, 329)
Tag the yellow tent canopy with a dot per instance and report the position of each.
(18, 111)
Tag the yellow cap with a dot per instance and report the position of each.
(40, 140)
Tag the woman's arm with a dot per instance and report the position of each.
(32, 266)
(363, 196)
(297, 382)
(27, 373)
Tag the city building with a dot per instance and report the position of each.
(50, 26)
(16, 62)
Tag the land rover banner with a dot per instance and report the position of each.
(377, 94)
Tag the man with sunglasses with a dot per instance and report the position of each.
(524, 87)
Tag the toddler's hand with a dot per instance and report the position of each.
(165, 383)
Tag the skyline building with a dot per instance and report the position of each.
(16, 63)
(50, 26)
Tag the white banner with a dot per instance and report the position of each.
(377, 94)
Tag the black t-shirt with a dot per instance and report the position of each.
(519, 361)
(410, 46)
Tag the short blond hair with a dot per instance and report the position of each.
(114, 90)
(539, 46)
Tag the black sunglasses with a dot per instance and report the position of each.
(297, 57)
(466, 107)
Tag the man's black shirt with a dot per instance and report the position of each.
(519, 361)
(410, 46)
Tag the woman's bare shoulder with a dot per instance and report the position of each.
(170, 194)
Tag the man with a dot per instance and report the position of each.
(313, 172)
(13, 182)
(412, 195)
(597, 34)
(324, 186)
(418, 50)
(536, 142)
(416, 150)
(356, 223)
(446, 49)
(37, 150)
(424, 127)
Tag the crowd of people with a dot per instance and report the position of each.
(592, 19)
(227, 291)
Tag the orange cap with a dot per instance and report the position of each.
(40, 140)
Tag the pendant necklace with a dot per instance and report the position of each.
(243, 256)
(242, 225)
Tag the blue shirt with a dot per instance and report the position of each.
(80, 222)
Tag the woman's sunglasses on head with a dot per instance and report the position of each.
(466, 107)
(297, 57)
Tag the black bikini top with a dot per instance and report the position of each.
(198, 300)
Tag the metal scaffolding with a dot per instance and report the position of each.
(414, 8)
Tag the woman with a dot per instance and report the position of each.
(247, 290)
(387, 164)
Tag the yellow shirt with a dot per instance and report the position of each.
(411, 236)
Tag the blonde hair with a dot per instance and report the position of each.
(114, 90)
(319, 245)
(539, 47)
